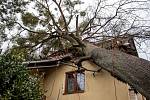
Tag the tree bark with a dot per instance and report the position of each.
(127, 68)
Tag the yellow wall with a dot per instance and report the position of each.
(101, 87)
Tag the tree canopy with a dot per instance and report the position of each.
(50, 25)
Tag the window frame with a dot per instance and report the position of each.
(76, 90)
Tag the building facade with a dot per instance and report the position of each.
(65, 82)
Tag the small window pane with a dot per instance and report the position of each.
(80, 81)
(70, 83)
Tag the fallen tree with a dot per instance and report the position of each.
(57, 31)
(127, 68)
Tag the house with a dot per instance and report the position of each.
(63, 80)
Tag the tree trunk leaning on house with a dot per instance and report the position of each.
(57, 33)
(127, 68)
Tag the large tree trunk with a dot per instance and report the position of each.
(130, 69)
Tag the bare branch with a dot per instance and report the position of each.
(77, 28)
(62, 14)
(91, 20)
(27, 28)
(50, 14)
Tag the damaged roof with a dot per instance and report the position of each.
(53, 62)
(123, 44)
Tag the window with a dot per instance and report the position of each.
(75, 82)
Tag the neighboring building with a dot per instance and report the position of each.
(62, 80)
